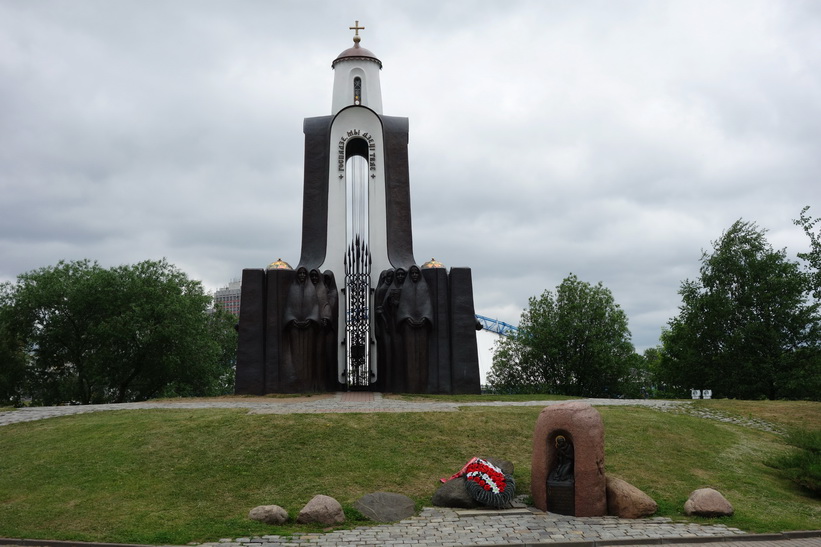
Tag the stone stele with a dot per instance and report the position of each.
(582, 425)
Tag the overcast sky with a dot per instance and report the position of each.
(611, 139)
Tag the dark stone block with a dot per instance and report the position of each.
(397, 191)
(315, 194)
(439, 369)
(278, 282)
(464, 352)
(250, 373)
(561, 497)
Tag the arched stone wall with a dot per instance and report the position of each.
(582, 424)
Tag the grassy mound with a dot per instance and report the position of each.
(177, 476)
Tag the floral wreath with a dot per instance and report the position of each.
(487, 484)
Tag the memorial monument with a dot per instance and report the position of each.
(567, 468)
(358, 313)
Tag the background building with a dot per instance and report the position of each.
(229, 297)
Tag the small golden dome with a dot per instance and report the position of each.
(279, 264)
(432, 263)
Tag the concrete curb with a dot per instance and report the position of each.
(59, 543)
(734, 538)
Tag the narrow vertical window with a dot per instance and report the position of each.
(357, 90)
(357, 270)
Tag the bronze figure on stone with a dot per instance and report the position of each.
(384, 327)
(563, 472)
(302, 323)
(414, 322)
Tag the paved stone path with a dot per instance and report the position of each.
(337, 403)
(441, 526)
(450, 527)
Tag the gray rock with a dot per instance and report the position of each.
(385, 506)
(322, 510)
(269, 514)
(628, 502)
(706, 502)
(454, 493)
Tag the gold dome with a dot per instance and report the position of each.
(279, 264)
(432, 263)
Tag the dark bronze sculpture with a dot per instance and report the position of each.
(395, 366)
(414, 321)
(318, 373)
(561, 486)
(302, 323)
(384, 326)
(563, 472)
(331, 313)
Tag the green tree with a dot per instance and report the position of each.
(745, 328)
(813, 258)
(12, 366)
(575, 342)
(93, 335)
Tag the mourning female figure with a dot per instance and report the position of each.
(414, 320)
(384, 327)
(395, 380)
(332, 311)
(563, 471)
(302, 325)
(318, 366)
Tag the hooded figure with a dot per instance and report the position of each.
(318, 369)
(302, 322)
(396, 378)
(332, 313)
(414, 320)
(383, 327)
(564, 460)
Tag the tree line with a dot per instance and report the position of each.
(748, 327)
(80, 333)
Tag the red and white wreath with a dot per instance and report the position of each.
(487, 484)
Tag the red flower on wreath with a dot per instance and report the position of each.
(486, 475)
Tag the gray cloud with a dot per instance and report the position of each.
(614, 141)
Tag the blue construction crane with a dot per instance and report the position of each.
(496, 326)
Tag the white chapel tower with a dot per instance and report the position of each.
(356, 77)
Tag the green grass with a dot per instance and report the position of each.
(177, 476)
(803, 465)
(785, 414)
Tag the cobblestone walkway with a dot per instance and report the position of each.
(451, 527)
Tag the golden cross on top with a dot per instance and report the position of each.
(356, 28)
